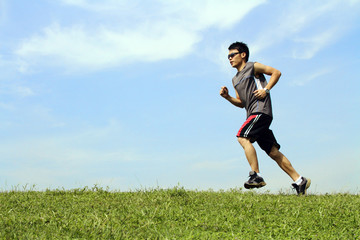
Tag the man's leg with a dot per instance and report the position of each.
(250, 153)
(251, 128)
(283, 163)
(255, 180)
(268, 143)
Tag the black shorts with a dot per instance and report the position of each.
(256, 128)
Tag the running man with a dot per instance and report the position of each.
(253, 94)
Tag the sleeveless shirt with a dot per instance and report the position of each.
(245, 84)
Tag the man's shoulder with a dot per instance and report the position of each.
(248, 69)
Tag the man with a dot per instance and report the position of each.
(253, 94)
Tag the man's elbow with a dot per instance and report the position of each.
(278, 73)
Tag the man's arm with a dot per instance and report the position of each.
(274, 73)
(224, 92)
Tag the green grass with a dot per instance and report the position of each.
(176, 214)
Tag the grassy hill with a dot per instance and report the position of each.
(176, 214)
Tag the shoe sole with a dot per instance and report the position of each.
(250, 186)
(307, 185)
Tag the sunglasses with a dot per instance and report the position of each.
(231, 55)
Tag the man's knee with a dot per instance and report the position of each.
(274, 152)
(244, 141)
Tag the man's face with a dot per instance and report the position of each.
(235, 57)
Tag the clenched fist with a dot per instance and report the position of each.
(224, 92)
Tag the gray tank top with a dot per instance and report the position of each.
(245, 84)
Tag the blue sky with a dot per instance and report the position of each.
(125, 94)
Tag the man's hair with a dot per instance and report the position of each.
(241, 47)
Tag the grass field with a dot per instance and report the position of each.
(95, 213)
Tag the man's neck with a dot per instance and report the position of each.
(241, 67)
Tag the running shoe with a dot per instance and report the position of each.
(303, 186)
(255, 181)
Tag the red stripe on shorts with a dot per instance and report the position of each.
(245, 123)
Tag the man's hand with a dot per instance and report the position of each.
(224, 92)
(260, 93)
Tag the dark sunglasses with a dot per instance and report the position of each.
(231, 55)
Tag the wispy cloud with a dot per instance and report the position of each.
(75, 147)
(305, 79)
(334, 171)
(215, 165)
(24, 91)
(2, 11)
(307, 29)
(308, 47)
(106, 5)
(6, 106)
(89, 155)
(168, 33)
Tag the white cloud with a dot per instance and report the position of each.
(168, 33)
(75, 46)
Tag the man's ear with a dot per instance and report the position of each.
(243, 54)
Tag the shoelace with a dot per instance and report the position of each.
(252, 177)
